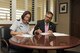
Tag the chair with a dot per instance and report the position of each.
(5, 36)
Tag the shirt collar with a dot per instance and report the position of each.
(21, 21)
(46, 23)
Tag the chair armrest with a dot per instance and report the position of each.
(4, 41)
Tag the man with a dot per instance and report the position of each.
(45, 25)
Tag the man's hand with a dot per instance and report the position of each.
(49, 31)
(37, 32)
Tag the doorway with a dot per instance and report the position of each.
(75, 18)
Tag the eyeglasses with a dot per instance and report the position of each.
(27, 16)
(48, 17)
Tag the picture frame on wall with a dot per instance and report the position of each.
(63, 7)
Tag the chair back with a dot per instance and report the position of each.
(6, 33)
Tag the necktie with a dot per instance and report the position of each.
(46, 27)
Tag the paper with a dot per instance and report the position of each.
(25, 35)
(17, 40)
(60, 34)
(44, 33)
(14, 39)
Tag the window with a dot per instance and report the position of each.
(19, 13)
(4, 14)
(13, 9)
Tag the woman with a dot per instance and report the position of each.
(20, 27)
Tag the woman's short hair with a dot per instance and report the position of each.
(25, 13)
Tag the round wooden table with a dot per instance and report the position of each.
(58, 43)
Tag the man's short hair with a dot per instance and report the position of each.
(49, 13)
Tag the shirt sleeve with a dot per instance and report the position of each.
(14, 26)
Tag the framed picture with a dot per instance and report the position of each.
(63, 7)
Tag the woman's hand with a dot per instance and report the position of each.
(18, 37)
(19, 33)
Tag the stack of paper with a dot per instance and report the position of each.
(60, 34)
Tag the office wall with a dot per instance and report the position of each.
(5, 3)
(20, 4)
(63, 19)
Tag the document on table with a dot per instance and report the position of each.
(14, 39)
(59, 34)
(25, 35)
(45, 33)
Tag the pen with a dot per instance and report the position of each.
(38, 28)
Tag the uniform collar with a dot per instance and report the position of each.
(21, 21)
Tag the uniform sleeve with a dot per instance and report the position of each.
(14, 26)
(28, 29)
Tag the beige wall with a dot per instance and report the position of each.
(20, 4)
(5, 3)
(63, 19)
